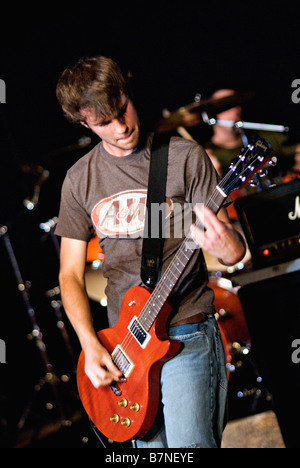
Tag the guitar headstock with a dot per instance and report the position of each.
(250, 160)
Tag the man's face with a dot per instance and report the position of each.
(119, 135)
(235, 113)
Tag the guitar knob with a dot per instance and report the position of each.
(115, 418)
(135, 407)
(123, 403)
(126, 422)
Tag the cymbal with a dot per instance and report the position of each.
(190, 115)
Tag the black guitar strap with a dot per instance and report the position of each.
(155, 214)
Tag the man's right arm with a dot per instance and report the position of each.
(98, 364)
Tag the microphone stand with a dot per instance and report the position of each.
(246, 125)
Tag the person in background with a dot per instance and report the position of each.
(226, 142)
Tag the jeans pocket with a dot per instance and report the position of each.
(188, 331)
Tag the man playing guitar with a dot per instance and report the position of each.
(105, 191)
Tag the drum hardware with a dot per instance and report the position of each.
(190, 115)
(83, 142)
(96, 284)
(54, 293)
(231, 322)
(57, 306)
(31, 202)
(94, 279)
(181, 130)
(247, 125)
(246, 390)
(48, 227)
(50, 378)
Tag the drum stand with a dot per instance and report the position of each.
(50, 378)
(54, 293)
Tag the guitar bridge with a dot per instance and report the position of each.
(122, 361)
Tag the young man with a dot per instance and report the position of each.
(101, 192)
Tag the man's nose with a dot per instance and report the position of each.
(121, 125)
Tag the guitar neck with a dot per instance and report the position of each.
(176, 268)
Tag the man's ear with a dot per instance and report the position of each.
(84, 124)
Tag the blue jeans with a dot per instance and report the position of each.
(194, 390)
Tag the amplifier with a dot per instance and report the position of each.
(271, 223)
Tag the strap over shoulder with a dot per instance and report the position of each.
(155, 213)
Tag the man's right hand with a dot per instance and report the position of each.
(99, 366)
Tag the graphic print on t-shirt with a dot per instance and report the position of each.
(122, 214)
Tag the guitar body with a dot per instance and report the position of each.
(131, 413)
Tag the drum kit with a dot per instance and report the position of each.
(229, 313)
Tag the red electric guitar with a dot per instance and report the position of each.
(138, 343)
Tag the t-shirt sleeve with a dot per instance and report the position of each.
(73, 220)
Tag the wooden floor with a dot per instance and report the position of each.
(258, 431)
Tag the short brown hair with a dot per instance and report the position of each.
(93, 83)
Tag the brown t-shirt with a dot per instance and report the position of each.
(108, 194)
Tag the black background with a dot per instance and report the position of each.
(173, 50)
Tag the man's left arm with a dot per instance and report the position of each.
(218, 238)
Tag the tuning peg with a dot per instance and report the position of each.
(273, 161)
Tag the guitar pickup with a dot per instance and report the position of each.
(139, 333)
(122, 361)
